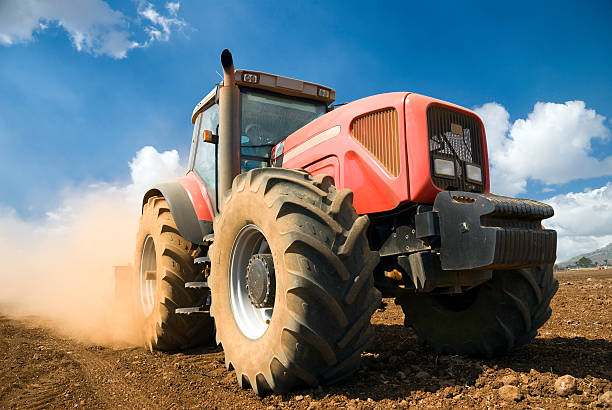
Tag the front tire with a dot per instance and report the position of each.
(315, 326)
(489, 320)
(163, 263)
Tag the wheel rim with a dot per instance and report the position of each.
(148, 276)
(252, 321)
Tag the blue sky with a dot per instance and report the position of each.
(76, 111)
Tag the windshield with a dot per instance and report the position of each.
(269, 118)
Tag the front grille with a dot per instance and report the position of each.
(457, 137)
(378, 132)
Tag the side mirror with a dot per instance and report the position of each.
(208, 136)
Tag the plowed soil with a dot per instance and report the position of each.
(40, 369)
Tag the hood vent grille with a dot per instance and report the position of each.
(378, 132)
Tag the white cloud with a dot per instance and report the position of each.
(552, 145)
(173, 7)
(161, 27)
(149, 167)
(570, 246)
(92, 25)
(583, 221)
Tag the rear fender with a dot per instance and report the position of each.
(191, 226)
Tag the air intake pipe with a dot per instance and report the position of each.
(229, 129)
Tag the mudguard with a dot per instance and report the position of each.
(189, 225)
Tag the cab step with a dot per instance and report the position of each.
(196, 285)
(192, 311)
(201, 259)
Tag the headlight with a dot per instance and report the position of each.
(473, 173)
(444, 167)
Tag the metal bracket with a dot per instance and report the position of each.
(427, 224)
(426, 273)
(402, 240)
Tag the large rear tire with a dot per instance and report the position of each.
(489, 320)
(163, 263)
(317, 320)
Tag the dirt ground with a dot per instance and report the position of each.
(40, 369)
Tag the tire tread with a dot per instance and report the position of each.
(164, 329)
(328, 230)
(522, 299)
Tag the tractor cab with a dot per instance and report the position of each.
(271, 108)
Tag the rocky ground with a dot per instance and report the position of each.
(568, 365)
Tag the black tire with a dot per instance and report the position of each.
(489, 320)
(162, 328)
(323, 266)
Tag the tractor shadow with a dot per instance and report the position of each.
(395, 366)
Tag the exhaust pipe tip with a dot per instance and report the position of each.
(226, 59)
(228, 68)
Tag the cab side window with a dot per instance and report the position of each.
(204, 158)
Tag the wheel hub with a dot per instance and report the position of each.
(251, 244)
(260, 281)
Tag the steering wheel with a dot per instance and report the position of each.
(253, 131)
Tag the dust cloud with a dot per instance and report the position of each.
(58, 271)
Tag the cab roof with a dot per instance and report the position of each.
(274, 83)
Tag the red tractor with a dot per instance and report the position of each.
(296, 217)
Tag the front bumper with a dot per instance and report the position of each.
(486, 231)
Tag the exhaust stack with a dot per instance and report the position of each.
(229, 128)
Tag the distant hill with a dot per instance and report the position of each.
(598, 256)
